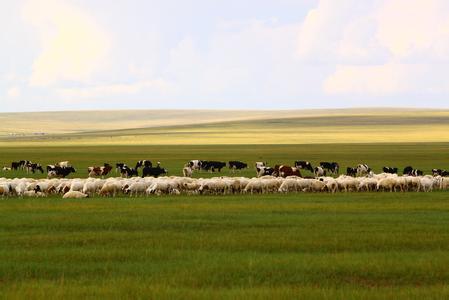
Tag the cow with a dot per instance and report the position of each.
(407, 170)
(128, 172)
(416, 172)
(57, 171)
(390, 170)
(119, 166)
(363, 170)
(237, 165)
(305, 165)
(439, 172)
(143, 163)
(332, 167)
(213, 165)
(260, 164)
(154, 172)
(263, 171)
(15, 165)
(351, 171)
(319, 172)
(285, 171)
(33, 167)
(99, 171)
(195, 164)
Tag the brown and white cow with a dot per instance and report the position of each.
(285, 171)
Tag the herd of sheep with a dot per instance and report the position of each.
(136, 186)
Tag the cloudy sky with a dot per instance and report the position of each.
(262, 54)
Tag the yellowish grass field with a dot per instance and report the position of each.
(309, 127)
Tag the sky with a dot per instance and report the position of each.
(223, 54)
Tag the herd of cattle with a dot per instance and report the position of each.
(277, 179)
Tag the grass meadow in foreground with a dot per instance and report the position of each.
(342, 246)
(173, 157)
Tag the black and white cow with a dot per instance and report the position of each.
(143, 163)
(154, 172)
(57, 171)
(195, 164)
(351, 171)
(332, 167)
(15, 165)
(263, 171)
(319, 172)
(237, 165)
(439, 172)
(33, 167)
(128, 172)
(260, 164)
(305, 165)
(416, 172)
(119, 166)
(390, 170)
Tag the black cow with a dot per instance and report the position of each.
(154, 172)
(439, 172)
(390, 170)
(15, 165)
(144, 163)
(408, 170)
(301, 164)
(332, 167)
(237, 165)
(213, 165)
(351, 171)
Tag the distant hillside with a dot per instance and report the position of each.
(38, 123)
(236, 127)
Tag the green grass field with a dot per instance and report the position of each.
(424, 156)
(358, 246)
(306, 246)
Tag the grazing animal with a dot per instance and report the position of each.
(439, 172)
(332, 167)
(154, 172)
(195, 164)
(99, 171)
(128, 172)
(74, 195)
(63, 164)
(305, 165)
(15, 165)
(118, 167)
(213, 165)
(416, 173)
(57, 171)
(187, 171)
(390, 170)
(6, 169)
(351, 171)
(264, 171)
(33, 167)
(237, 165)
(260, 164)
(285, 171)
(319, 171)
(143, 163)
(363, 170)
(407, 170)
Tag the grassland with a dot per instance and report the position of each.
(343, 246)
(424, 156)
(362, 246)
(306, 127)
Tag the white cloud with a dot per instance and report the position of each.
(95, 92)
(74, 46)
(13, 92)
(387, 47)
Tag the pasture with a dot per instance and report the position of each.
(356, 246)
(419, 155)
